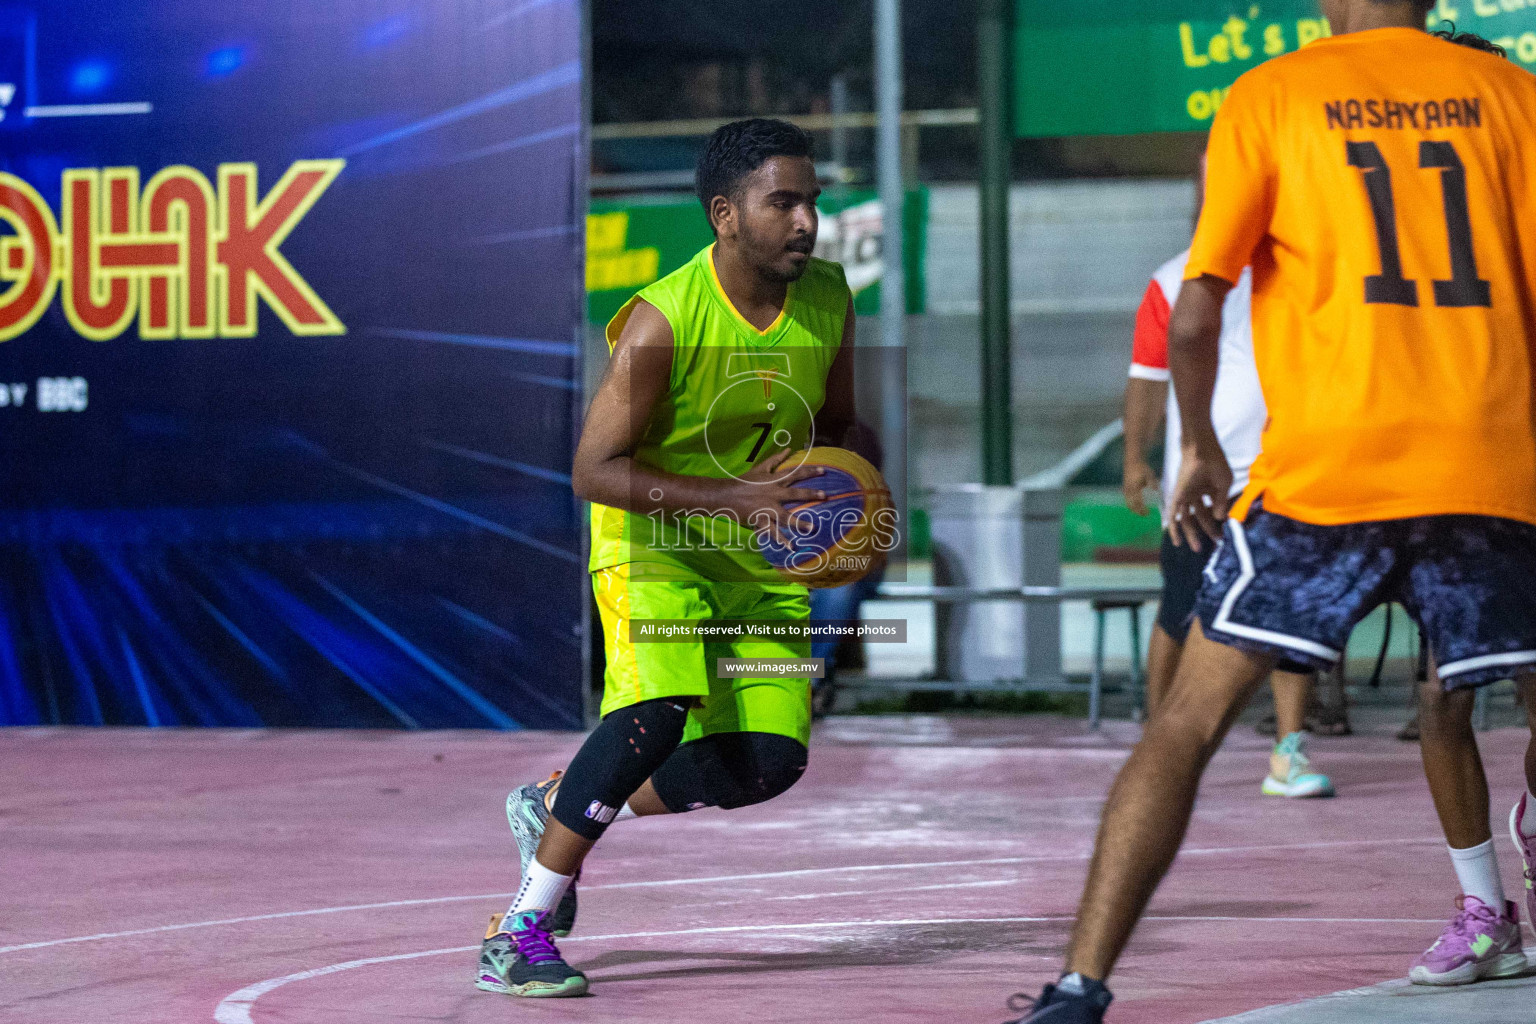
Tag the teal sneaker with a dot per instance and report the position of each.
(523, 961)
(1291, 774)
(527, 813)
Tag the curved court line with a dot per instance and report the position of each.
(794, 873)
(236, 1007)
(254, 917)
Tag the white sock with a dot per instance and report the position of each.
(1528, 819)
(541, 890)
(1477, 869)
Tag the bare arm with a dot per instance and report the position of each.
(838, 415)
(605, 469)
(1194, 348)
(1145, 401)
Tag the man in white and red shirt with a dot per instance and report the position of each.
(1238, 413)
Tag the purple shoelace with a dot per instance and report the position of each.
(534, 944)
(1464, 927)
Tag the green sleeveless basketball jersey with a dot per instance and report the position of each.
(737, 395)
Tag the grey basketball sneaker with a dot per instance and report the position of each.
(523, 961)
(528, 814)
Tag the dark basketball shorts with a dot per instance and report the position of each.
(1182, 569)
(1296, 590)
(1181, 565)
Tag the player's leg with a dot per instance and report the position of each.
(1252, 609)
(518, 956)
(1163, 653)
(1471, 587)
(648, 691)
(748, 740)
(728, 770)
(761, 709)
(1181, 567)
(1522, 817)
(1292, 691)
(1290, 770)
(616, 760)
(1154, 794)
(1458, 785)
(1453, 766)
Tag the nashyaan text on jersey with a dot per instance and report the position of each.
(1466, 112)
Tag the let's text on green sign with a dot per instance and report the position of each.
(1105, 67)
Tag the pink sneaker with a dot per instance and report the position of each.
(1527, 847)
(1478, 943)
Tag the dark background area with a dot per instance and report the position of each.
(372, 528)
(686, 59)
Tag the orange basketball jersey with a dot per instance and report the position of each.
(1382, 185)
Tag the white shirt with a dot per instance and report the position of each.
(1237, 406)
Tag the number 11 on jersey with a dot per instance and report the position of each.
(1464, 288)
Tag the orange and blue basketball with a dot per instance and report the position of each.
(850, 531)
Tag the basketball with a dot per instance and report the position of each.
(850, 531)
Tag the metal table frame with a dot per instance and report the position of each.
(1135, 596)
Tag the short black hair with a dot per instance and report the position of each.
(737, 149)
(1471, 39)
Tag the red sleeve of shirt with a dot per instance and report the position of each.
(1149, 347)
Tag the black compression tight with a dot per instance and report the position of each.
(729, 769)
(642, 741)
(625, 749)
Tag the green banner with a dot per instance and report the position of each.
(1106, 67)
(1510, 23)
(631, 243)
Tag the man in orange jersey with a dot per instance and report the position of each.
(1381, 183)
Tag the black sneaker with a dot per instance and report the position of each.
(1082, 1001)
(523, 961)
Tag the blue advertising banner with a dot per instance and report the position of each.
(290, 302)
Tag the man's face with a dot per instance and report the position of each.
(772, 223)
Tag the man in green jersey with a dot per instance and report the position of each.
(721, 374)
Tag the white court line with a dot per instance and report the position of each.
(1198, 852)
(88, 109)
(236, 1007)
(795, 873)
(877, 892)
(245, 920)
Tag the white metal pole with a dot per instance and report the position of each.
(888, 168)
(840, 126)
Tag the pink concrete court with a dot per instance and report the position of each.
(924, 869)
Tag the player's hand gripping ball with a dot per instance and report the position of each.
(842, 538)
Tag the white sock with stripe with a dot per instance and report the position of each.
(1477, 869)
(541, 890)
